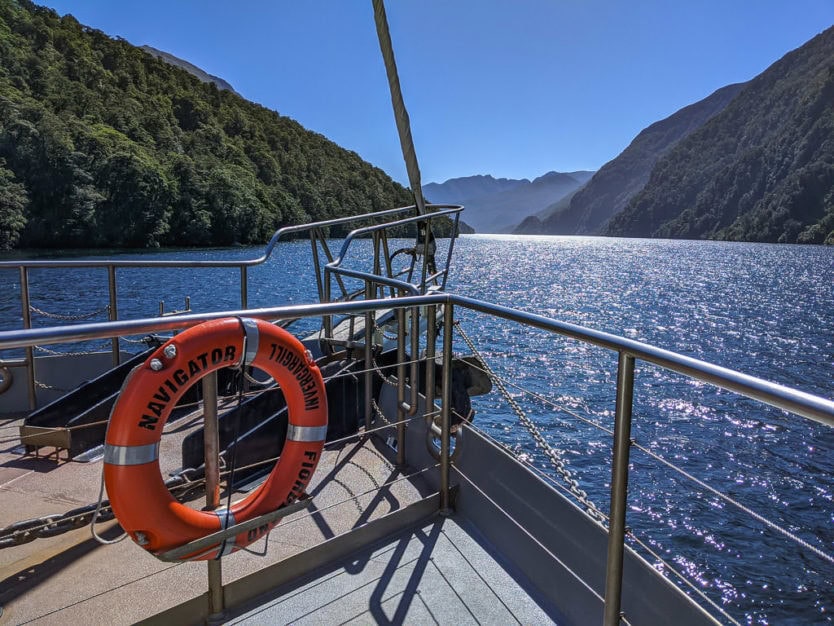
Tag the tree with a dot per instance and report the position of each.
(13, 202)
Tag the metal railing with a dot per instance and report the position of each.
(317, 232)
(629, 352)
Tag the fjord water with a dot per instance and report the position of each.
(766, 310)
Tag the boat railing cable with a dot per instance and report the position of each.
(503, 382)
(555, 455)
(735, 503)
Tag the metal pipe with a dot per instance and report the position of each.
(442, 209)
(329, 255)
(114, 311)
(376, 240)
(244, 287)
(619, 489)
(449, 252)
(799, 402)
(327, 320)
(27, 324)
(415, 363)
(431, 341)
(383, 280)
(314, 237)
(386, 254)
(446, 407)
(14, 363)
(211, 447)
(400, 387)
(445, 210)
(369, 339)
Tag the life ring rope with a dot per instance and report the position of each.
(142, 504)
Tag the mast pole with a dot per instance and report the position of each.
(400, 114)
(424, 245)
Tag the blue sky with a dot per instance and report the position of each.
(513, 88)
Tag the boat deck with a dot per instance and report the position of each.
(437, 570)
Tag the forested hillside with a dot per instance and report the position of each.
(761, 170)
(102, 144)
(611, 188)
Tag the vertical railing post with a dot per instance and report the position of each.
(415, 361)
(369, 341)
(211, 443)
(244, 287)
(449, 252)
(327, 320)
(114, 311)
(445, 415)
(619, 489)
(431, 340)
(314, 236)
(27, 323)
(401, 387)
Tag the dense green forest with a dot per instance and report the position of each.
(761, 170)
(102, 144)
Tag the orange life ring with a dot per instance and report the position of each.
(140, 500)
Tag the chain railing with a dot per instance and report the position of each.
(556, 455)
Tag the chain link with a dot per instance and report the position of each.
(59, 353)
(41, 385)
(45, 526)
(68, 318)
(555, 455)
(147, 340)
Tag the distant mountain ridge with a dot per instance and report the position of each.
(611, 188)
(761, 170)
(465, 188)
(494, 205)
(189, 67)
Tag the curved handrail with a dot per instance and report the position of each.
(270, 246)
(445, 210)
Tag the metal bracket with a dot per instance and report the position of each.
(178, 553)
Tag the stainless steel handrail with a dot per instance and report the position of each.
(807, 405)
(276, 237)
(774, 394)
(315, 228)
(783, 397)
(445, 211)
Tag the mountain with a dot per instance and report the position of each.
(104, 145)
(761, 170)
(190, 68)
(461, 190)
(495, 205)
(611, 188)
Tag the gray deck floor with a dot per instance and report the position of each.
(71, 579)
(438, 573)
